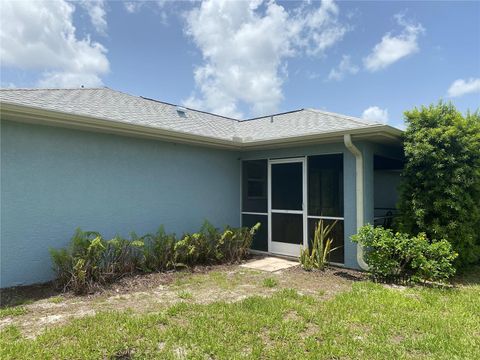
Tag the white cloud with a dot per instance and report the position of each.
(375, 113)
(97, 13)
(393, 48)
(133, 6)
(245, 45)
(343, 69)
(39, 35)
(461, 87)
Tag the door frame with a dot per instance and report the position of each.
(303, 212)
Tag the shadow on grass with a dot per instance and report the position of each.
(470, 276)
(21, 295)
(350, 276)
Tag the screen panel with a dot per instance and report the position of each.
(254, 186)
(325, 185)
(287, 186)
(337, 235)
(287, 228)
(260, 240)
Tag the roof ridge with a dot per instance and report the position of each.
(191, 109)
(349, 117)
(40, 89)
(270, 115)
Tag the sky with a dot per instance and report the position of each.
(245, 59)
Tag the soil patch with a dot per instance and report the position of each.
(145, 293)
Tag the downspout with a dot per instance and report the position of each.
(347, 139)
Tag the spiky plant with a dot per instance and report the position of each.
(317, 256)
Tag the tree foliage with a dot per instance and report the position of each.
(440, 193)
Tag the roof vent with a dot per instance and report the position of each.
(181, 111)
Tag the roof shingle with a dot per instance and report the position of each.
(108, 104)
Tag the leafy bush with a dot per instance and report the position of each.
(90, 261)
(158, 251)
(79, 262)
(235, 242)
(440, 192)
(122, 256)
(317, 256)
(209, 246)
(398, 257)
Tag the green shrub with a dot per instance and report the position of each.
(209, 246)
(78, 266)
(122, 256)
(158, 251)
(440, 191)
(234, 243)
(198, 248)
(187, 250)
(90, 261)
(316, 257)
(398, 257)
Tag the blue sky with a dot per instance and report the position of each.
(370, 59)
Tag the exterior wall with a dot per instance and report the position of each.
(349, 184)
(54, 180)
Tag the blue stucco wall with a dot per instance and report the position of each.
(54, 180)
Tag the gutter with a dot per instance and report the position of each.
(347, 139)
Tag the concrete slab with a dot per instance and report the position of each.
(270, 264)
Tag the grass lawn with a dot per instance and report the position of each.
(367, 320)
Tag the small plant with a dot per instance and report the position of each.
(317, 256)
(56, 299)
(122, 256)
(398, 257)
(158, 251)
(209, 246)
(185, 295)
(91, 261)
(79, 266)
(12, 311)
(270, 282)
(233, 244)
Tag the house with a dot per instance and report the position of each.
(107, 161)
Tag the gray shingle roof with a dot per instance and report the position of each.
(116, 106)
(297, 123)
